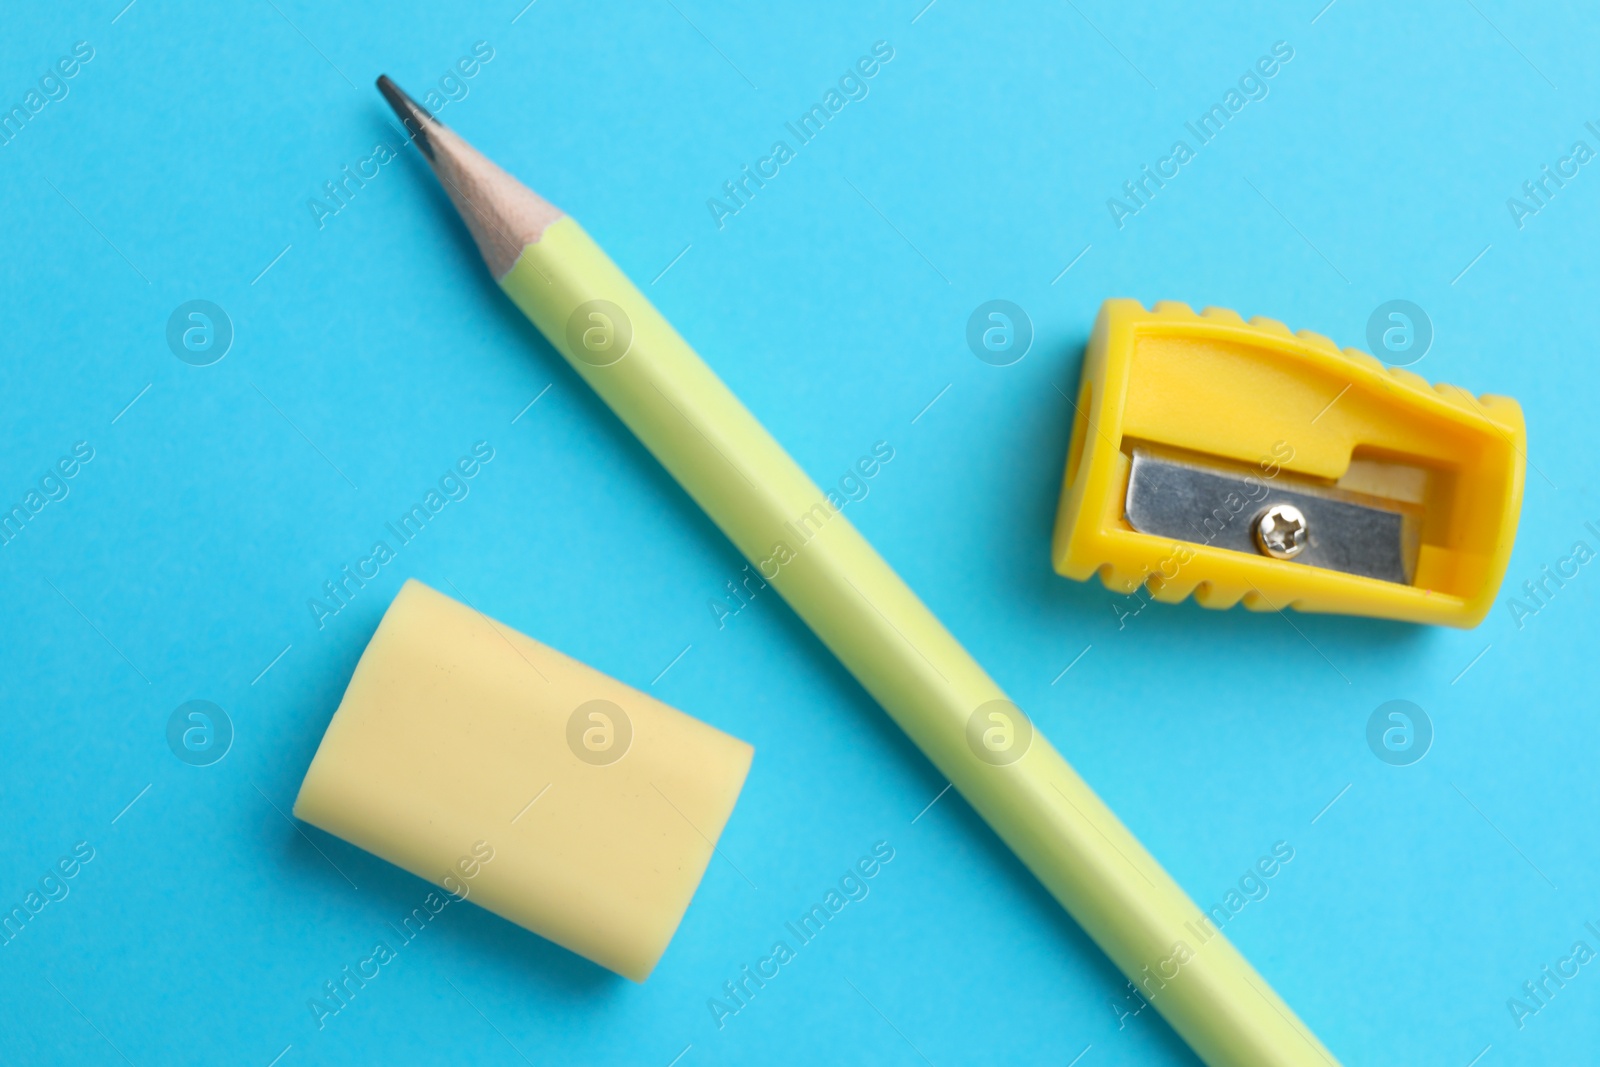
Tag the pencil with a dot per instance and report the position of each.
(861, 610)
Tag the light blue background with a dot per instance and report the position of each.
(180, 564)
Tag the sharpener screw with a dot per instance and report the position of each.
(1281, 532)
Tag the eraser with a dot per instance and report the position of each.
(518, 778)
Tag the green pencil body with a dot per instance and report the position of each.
(904, 657)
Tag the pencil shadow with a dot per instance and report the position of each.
(848, 701)
(446, 219)
(609, 434)
(1045, 914)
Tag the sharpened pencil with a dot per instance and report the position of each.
(861, 610)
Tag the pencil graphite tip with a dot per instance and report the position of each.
(504, 215)
(412, 115)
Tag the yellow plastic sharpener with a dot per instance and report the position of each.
(1239, 461)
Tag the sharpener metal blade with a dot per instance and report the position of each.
(1218, 506)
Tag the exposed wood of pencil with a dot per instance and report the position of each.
(503, 215)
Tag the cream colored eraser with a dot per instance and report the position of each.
(521, 779)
